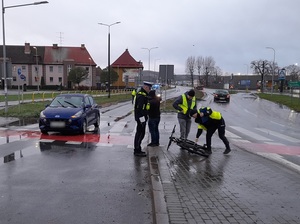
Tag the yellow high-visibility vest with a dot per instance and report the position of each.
(184, 104)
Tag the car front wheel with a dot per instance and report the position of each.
(97, 123)
(83, 127)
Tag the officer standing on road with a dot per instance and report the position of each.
(183, 104)
(210, 121)
(141, 116)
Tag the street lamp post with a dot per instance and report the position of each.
(37, 69)
(149, 49)
(154, 69)
(4, 47)
(272, 87)
(109, 25)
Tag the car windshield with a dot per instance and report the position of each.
(222, 92)
(67, 101)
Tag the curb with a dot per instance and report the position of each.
(160, 214)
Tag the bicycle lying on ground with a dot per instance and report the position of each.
(188, 145)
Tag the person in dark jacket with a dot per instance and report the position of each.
(154, 118)
(183, 104)
(141, 117)
(210, 121)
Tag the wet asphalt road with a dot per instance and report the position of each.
(60, 183)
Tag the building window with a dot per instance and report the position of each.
(14, 78)
(51, 79)
(60, 69)
(51, 68)
(69, 68)
(87, 68)
(60, 79)
(23, 67)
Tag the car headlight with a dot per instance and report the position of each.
(78, 114)
(42, 115)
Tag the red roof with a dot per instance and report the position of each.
(56, 55)
(127, 61)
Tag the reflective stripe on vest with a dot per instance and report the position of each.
(148, 104)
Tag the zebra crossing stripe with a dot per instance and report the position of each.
(104, 144)
(118, 127)
(231, 135)
(279, 135)
(251, 134)
(241, 140)
(274, 143)
(73, 142)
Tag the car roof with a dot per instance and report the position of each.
(222, 90)
(74, 94)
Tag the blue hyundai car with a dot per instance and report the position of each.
(70, 113)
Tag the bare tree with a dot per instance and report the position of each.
(208, 67)
(294, 72)
(262, 68)
(199, 65)
(190, 67)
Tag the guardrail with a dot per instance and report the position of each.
(46, 95)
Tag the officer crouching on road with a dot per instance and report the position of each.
(141, 107)
(210, 121)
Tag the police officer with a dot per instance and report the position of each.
(210, 121)
(183, 104)
(141, 107)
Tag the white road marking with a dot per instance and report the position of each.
(231, 135)
(274, 143)
(241, 140)
(118, 127)
(279, 135)
(281, 160)
(251, 134)
(104, 144)
(73, 142)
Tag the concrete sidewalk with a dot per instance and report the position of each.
(237, 188)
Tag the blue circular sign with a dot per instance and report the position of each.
(22, 77)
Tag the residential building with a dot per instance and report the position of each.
(46, 66)
(129, 71)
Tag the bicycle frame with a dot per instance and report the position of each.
(188, 145)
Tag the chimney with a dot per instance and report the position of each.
(27, 49)
(82, 46)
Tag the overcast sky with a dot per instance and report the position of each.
(233, 32)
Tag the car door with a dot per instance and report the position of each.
(95, 109)
(88, 110)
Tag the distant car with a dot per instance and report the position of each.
(70, 113)
(221, 95)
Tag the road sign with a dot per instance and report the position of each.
(19, 71)
(294, 84)
(22, 77)
(281, 74)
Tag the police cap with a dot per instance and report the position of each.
(148, 84)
